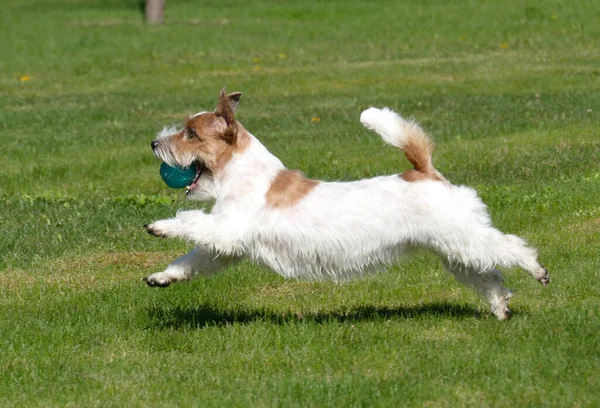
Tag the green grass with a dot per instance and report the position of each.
(510, 92)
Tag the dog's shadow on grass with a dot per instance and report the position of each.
(210, 315)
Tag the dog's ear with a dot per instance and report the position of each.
(226, 109)
(227, 105)
(234, 99)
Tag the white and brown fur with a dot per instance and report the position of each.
(303, 228)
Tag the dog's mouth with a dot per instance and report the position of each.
(200, 168)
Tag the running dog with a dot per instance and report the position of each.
(304, 228)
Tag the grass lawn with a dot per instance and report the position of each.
(510, 91)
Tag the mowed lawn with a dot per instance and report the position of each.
(510, 92)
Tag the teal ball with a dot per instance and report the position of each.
(176, 177)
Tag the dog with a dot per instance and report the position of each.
(304, 228)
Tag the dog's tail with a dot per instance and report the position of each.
(405, 135)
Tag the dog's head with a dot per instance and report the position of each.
(208, 140)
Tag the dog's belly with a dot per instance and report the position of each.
(320, 263)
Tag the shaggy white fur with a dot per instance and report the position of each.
(340, 230)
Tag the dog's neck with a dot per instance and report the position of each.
(249, 170)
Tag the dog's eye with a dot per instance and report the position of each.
(191, 133)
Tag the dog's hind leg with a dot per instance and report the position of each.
(488, 284)
(484, 247)
(513, 251)
(188, 266)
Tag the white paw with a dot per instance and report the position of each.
(544, 278)
(153, 230)
(503, 313)
(162, 228)
(159, 279)
(500, 306)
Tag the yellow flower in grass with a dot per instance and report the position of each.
(504, 46)
(281, 56)
(24, 78)
(256, 60)
(315, 119)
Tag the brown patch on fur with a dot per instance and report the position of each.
(242, 140)
(211, 140)
(418, 151)
(288, 188)
(415, 175)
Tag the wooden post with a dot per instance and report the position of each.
(155, 11)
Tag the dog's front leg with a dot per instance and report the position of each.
(169, 228)
(223, 234)
(193, 225)
(187, 267)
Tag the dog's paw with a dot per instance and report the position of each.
(153, 230)
(164, 228)
(502, 312)
(159, 279)
(544, 278)
(500, 306)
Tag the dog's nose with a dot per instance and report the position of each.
(154, 144)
